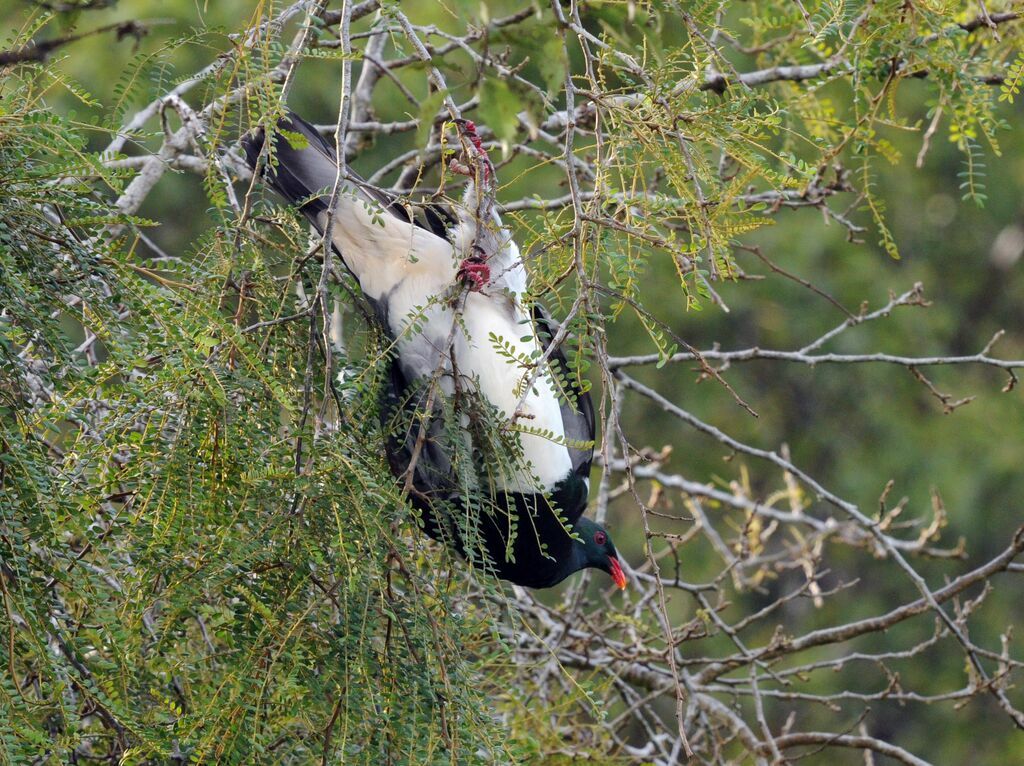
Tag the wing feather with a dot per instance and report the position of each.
(577, 408)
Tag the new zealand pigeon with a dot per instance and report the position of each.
(487, 428)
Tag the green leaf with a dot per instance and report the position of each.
(470, 9)
(499, 109)
(428, 110)
(296, 141)
(553, 64)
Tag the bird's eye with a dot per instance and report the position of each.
(600, 538)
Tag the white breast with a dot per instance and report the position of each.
(501, 380)
(407, 268)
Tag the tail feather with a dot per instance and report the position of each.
(304, 166)
(252, 145)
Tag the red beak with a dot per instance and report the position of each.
(617, 574)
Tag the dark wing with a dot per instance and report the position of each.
(577, 408)
(305, 165)
(402, 406)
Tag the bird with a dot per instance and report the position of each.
(486, 426)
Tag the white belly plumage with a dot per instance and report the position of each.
(411, 271)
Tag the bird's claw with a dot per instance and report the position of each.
(468, 129)
(476, 273)
(478, 155)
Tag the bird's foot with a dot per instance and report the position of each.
(462, 169)
(479, 155)
(469, 131)
(476, 273)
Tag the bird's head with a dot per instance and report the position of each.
(598, 550)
